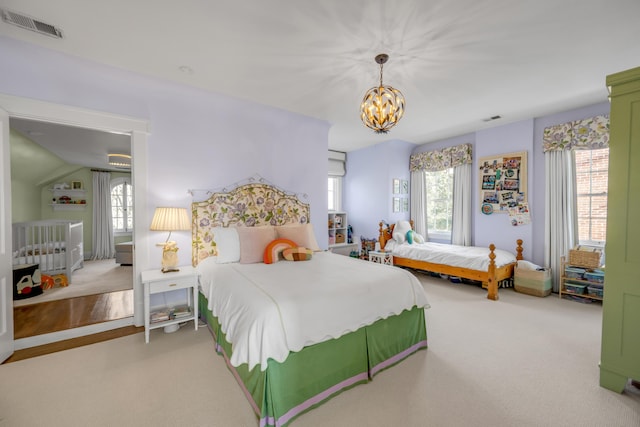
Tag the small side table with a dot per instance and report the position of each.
(381, 257)
(155, 281)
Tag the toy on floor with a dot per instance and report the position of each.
(47, 282)
(60, 280)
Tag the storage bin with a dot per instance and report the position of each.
(596, 276)
(532, 282)
(574, 272)
(575, 288)
(595, 290)
(339, 238)
(586, 259)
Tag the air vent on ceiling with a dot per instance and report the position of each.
(26, 22)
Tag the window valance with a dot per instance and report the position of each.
(586, 134)
(433, 161)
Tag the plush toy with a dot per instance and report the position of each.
(46, 282)
(60, 280)
(61, 186)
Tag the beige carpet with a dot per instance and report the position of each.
(521, 361)
(95, 277)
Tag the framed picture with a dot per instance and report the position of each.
(76, 185)
(396, 204)
(396, 186)
(404, 184)
(405, 205)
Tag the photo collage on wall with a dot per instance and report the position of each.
(503, 186)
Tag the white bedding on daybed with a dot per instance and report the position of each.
(472, 257)
(268, 310)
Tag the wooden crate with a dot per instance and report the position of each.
(585, 259)
(339, 238)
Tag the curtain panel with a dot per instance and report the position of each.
(437, 160)
(586, 134)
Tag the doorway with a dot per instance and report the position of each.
(137, 131)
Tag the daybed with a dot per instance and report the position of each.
(296, 333)
(55, 245)
(487, 265)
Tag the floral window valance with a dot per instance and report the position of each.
(586, 134)
(433, 161)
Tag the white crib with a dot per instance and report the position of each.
(56, 245)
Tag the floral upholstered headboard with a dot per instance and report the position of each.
(249, 205)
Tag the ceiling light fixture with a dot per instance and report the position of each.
(382, 106)
(120, 160)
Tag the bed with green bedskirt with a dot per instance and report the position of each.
(318, 372)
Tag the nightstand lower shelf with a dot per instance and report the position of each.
(155, 281)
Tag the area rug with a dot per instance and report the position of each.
(95, 277)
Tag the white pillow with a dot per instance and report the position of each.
(418, 238)
(400, 231)
(227, 243)
(390, 245)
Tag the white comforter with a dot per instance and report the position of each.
(473, 257)
(269, 310)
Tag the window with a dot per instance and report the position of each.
(335, 193)
(592, 167)
(122, 205)
(439, 187)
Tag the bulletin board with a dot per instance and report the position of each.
(503, 183)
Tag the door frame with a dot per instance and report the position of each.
(138, 129)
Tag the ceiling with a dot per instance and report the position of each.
(74, 145)
(458, 62)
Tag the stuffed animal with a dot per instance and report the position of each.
(46, 282)
(61, 186)
(60, 280)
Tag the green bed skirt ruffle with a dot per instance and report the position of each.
(318, 372)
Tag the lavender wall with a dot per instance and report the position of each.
(198, 139)
(370, 171)
(368, 185)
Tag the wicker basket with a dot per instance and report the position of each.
(585, 259)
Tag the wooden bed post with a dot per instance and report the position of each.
(492, 285)
(382, 238)
(519, 250)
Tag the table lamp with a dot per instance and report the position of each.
(170, 219)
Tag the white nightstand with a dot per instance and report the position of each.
(155, 281)
(381, 257)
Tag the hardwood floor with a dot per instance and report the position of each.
(53, 316)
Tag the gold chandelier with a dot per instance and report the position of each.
(382, 106)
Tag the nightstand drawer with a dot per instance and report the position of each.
(171, 284)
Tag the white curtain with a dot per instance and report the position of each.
(103, 244)
(419, 202)
(461, 225)
(561, 213)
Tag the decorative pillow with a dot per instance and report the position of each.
(410, 237)
(302, 234)
(253, 242)
(273, 251)
(400, 231)
(297, 254)
(418, 238)
(227, 244)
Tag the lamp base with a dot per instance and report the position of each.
(171, 328)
